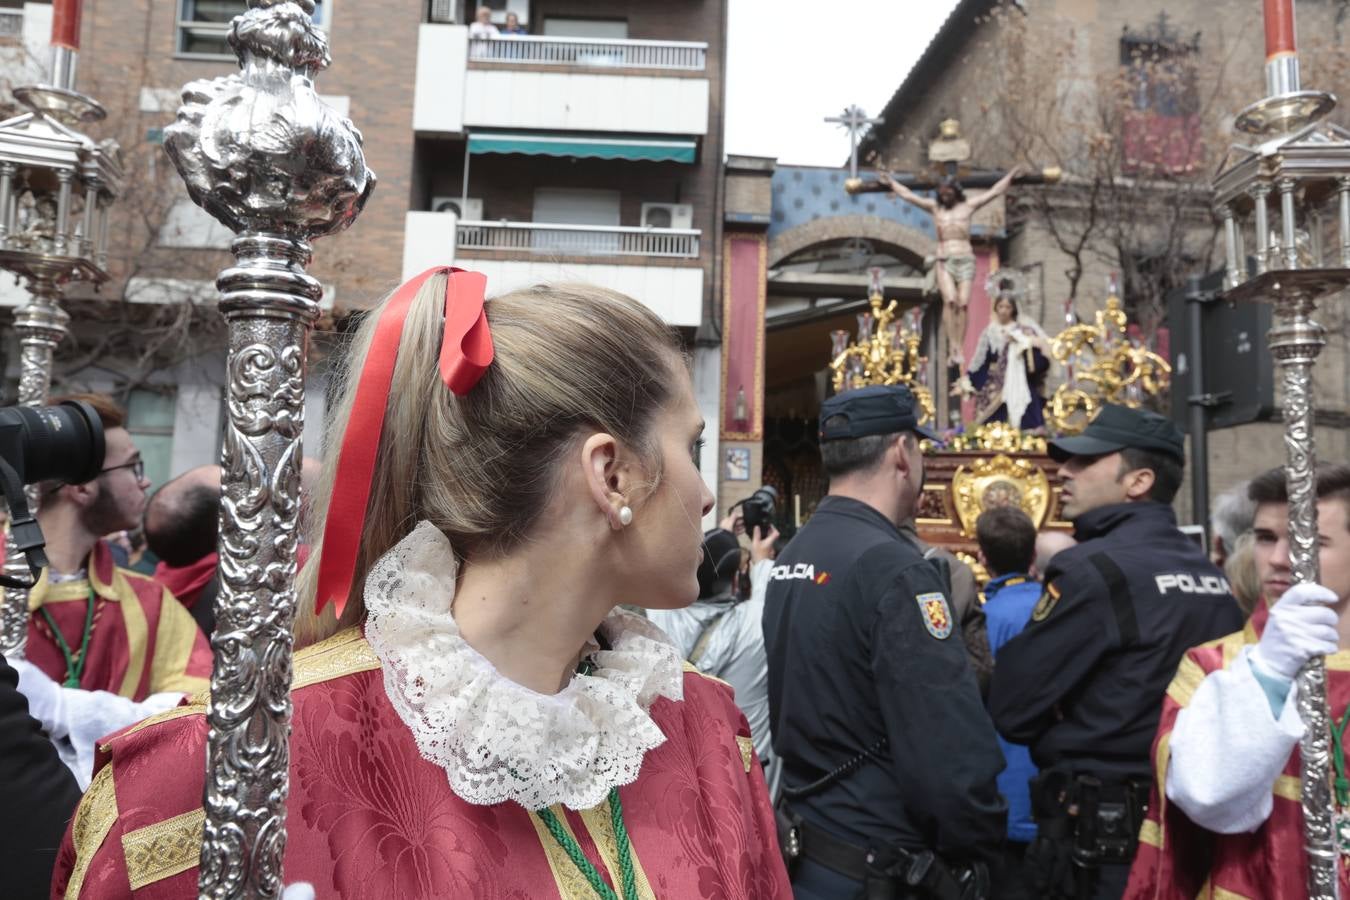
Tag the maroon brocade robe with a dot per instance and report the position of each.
(1179, 860)
(370, 819)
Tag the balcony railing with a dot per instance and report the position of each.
(11, 25)
(680, 56)
(577, 240)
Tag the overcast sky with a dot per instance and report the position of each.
(791, 63)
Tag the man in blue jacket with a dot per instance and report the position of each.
(1007, 540)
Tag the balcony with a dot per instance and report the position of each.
(562, 84)
(530, 50)
(659, 266)
(577, 240)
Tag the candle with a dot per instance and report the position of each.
(66, 23)
(1280, 35)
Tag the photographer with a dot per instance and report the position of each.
(722, 632)
(93, 625)
(106, 646)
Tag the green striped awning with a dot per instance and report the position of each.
(637, 149)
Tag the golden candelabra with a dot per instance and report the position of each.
(885, 352)
(1103, 366)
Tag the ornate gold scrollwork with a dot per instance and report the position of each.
(885, 352)
(1105, 366)
(993, 437)
(999, 481)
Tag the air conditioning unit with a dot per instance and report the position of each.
(667, 215)
(470, 209)
(441, 12)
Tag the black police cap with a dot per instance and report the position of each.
(1117, 427)
(876, 409)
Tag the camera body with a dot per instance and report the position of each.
(758, 510)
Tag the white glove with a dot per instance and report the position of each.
(301, 890)
(45, 700)
(1302, 626)
(75, 719)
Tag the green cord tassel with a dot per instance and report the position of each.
(593, 877)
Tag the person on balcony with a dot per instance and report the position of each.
(513, 25)
(481, 27)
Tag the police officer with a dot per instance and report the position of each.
(889, 758)
(1083, 683)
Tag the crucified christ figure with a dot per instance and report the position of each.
(952, 212)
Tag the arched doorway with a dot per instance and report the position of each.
(818, 278)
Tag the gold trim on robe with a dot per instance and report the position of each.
(164, 849)
(345, 653)
(93, 820)
(747, 748)
(601, 829)
(567, 878)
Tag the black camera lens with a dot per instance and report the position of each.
(57, 443)
(757, 510)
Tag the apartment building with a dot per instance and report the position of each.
(587, 148)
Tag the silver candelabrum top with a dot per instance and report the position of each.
(258, 149)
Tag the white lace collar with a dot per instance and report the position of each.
(497, 740)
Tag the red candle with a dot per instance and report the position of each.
(66, 23)
(1280, 39)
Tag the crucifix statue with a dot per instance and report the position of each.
(952, 211)
(853, 120)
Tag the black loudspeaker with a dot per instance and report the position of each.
(1238, 369)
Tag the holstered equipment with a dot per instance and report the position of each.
(1082, 822)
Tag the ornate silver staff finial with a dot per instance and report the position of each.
(261, 153)
(1286, 154)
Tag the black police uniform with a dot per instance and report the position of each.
(1083, 684)
(864, 655)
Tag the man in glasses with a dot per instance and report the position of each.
(97, 630)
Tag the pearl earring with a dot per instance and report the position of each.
(625, 515)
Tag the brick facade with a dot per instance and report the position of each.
(129, 45)
(958, 78)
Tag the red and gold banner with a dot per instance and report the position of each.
(743, 288)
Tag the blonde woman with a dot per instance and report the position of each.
(474, 717)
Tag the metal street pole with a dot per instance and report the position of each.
(260, 152)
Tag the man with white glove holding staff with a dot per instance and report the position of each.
(1225, 811)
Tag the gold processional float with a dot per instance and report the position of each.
(997, 464)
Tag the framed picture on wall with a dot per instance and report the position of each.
(737, 465)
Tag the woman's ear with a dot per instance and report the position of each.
(605, 476)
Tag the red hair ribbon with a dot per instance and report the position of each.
(466, 352)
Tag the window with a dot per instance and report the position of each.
(203, 25)
(1161, 121)
(188, 226)
(599, 29)
(150, 417)
(576, 206)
